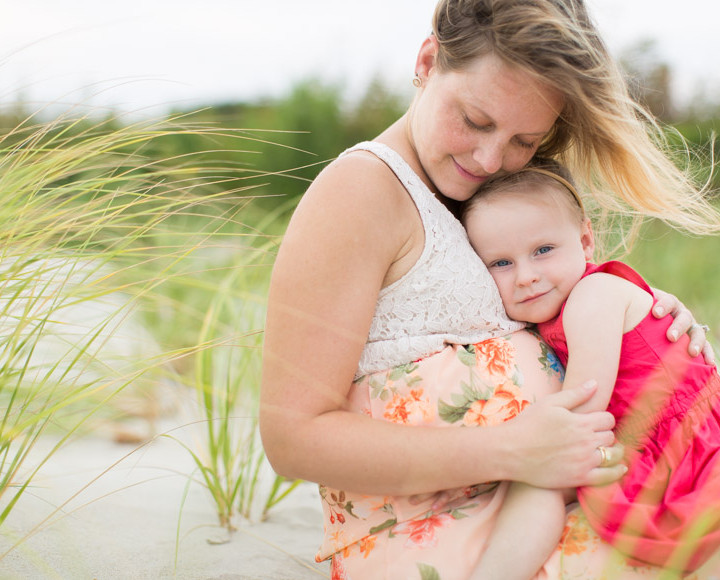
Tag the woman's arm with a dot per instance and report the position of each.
(350, 231)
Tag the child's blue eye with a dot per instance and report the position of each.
(501, 263)
(544, 250)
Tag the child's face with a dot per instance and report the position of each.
(534, 247)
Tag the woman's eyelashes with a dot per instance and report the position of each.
(488, 127)
(477, 126)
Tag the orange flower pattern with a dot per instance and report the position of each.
(421, 533)
(494, 360)
(575, 539)
(506, 402)
(410, 409)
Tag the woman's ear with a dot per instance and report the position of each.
(427, 57)
(587, 239)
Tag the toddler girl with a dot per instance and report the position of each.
(531, 231)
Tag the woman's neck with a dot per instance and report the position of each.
(399, 138)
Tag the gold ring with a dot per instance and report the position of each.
(604, 456)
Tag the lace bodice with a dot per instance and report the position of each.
(447, 297)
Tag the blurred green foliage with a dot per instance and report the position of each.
(290, 140)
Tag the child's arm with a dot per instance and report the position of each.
(599, 310)
(528, 529)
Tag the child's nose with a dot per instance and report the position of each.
(526, 275)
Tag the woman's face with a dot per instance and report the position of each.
(467, 125)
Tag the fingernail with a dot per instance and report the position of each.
(674, 334)
(660, 311)
(696, 350)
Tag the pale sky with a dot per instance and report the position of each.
(150, 54)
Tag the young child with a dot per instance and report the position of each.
(531, 231)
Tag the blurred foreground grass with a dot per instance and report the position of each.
(112, 256)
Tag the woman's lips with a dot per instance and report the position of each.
(469, 176)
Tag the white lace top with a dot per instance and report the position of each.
(447, 297)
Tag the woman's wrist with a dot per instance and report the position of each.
(501, 456)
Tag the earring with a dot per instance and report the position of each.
(417, 82)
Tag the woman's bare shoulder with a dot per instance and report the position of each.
(358, 208)
(358, 179)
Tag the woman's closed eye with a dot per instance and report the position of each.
(477, 126)
(486, 127)
(525, 144)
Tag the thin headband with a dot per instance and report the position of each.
(561, 180)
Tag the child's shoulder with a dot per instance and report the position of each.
(608, 295)
(603, 287)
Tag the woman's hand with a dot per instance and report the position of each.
(558, 448)
(684, 322)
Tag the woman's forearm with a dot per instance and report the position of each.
(547, 445)
(353, 452)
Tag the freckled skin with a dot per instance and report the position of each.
(489, 118)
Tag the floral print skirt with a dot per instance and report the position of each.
(442, 536)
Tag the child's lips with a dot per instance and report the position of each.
(533, 297)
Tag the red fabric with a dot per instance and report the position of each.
(666, 510)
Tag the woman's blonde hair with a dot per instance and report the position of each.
(613, 146)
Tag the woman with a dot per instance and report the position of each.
(374, 272)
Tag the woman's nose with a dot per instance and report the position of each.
(489, 155)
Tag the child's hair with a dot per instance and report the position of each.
(538, 173)
(613, 146)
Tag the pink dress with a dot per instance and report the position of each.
(666, 510)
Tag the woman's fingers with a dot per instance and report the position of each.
(606, 475)
(563, 446)
(573, 397)
(699, 343)
(709, 354)
(683, 322)
(667, 303)
(609, 465)
(698, 338)
(609, 455)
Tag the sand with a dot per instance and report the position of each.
(124, 525)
